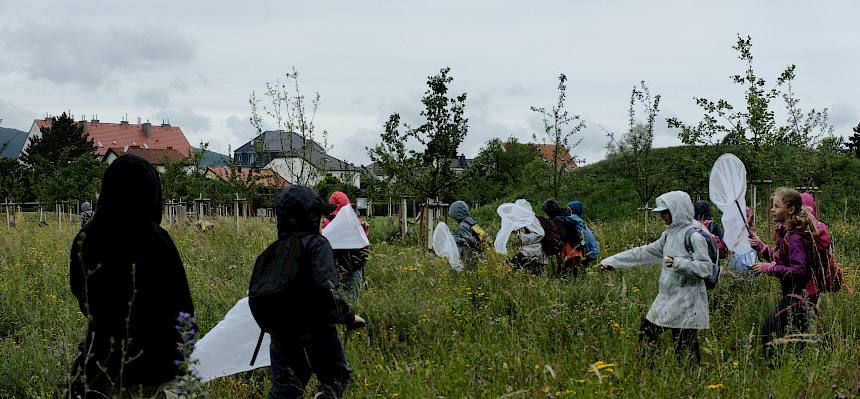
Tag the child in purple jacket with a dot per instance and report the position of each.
(793, 257)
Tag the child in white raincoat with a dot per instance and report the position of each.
(681, 305)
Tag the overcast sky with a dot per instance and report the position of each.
(196, 62)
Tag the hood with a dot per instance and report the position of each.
(575, 207)
(809, 200)
(680, 206)
(300, 209)
(459, 211)
(702, 210)
(131, 191)
(338, 199)
(86, 206)
(553, 208)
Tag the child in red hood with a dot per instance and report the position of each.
(350, 262)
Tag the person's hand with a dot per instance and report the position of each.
(753, 243)
(605, 268)
(357, 322)
(669, 261)
(763, 267)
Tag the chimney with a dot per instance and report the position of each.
(147, 130)
(165, 124)
(95, 119)
(123, 122)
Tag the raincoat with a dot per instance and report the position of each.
(129, 281)
(86, 213)
(682, 299)
(460, 212)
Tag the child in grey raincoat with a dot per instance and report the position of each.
(468, 236)
(681, 305)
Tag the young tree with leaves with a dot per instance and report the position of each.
(427, 173)
(560, 129)
(286, 109)
(634, 146)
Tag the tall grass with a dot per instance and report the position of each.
(436, 333)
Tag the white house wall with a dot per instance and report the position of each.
(289, 168)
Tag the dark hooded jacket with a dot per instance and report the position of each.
(124, 257)
(702, 213)
(314, 301)
(460, 212)
(567, 227)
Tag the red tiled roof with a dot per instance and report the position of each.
(265, 177)
(124, 134)
(546, 152)
(154, 156)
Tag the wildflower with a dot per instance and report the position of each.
(715, 387)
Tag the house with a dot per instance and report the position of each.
(546, 151)
(158, 157)
(263, 177)
(286, 153)
(124, 134)
(375, 170)
(11, 142)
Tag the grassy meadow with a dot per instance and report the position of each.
(435, 333)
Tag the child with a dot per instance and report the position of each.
(308, 342)
(531, 254)
(590, 246)
(470, 236)
(128, 278)
(702, 214)
(350, 262)
(569, 254)
(792, 263)
(681, 305)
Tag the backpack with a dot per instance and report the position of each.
(826, 273)
(274, 271)
(551, 241)
(716, 232)
(592, 247)
(714, 276)
(480, 236)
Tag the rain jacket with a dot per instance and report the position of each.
(124, 257)
(339, 199)
(314, 301)
(591, 248)
(682, 299)
(794, 252)
(460, 212)
(822, 240)
(532, 246)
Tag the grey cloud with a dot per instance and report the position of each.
(188, 120)
(15, 117)
(844, 117)
(240, 127)
(153, 97)
(73, 53)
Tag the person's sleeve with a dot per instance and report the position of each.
(643, 255)
(699, 264)
(796, 266)
(182, 301)
(718, 230)
(326, 281)
(764, 250)
(466, 235)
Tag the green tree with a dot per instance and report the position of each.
(634, 146)
(80, 179)
(427, 173)
(58, 145)
(560, 129)
(498, 171)
(853, 143)
(14, 180)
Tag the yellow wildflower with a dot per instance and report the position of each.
(714, 387)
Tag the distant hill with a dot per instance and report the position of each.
(11, 142)
(211, 158)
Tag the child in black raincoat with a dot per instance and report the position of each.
(129, 281)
